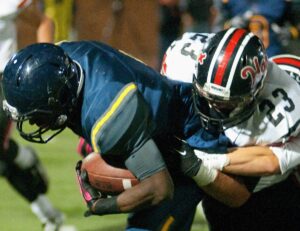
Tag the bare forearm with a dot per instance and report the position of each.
(150, 191)
(134, 199)
(228, 190)
(252, 161)
(224, 188)
(245, 161)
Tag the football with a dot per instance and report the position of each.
(106, 178)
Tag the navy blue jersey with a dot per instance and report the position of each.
(127, 105)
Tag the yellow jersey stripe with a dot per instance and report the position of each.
(168, 223)
(109, 113)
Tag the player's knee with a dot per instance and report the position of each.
(27, 175)
(29, 182)
(26, 158)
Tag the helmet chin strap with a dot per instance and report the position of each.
(216, 113)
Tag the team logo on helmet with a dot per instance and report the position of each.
(252, 71)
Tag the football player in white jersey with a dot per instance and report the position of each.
(18, 164)
(252, 101)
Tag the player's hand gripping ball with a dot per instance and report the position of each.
(106, 178)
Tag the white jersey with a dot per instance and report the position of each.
(8, 38)
(180, 58)
(276, 118)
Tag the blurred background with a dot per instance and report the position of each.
(144, 29)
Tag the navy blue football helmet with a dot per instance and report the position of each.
(41, 85)
(229, 75)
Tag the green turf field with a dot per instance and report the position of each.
(59, 156)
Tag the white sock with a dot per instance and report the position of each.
(43, 209)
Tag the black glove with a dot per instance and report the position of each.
(189, 162)
(89, 194)
(98, 203)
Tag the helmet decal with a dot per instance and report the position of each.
(237, 58)
(201, 58)
(251, 71)
(227, 54)
(221, 66)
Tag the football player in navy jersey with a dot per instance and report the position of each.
(131, 115)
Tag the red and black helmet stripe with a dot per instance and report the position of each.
(229, 48)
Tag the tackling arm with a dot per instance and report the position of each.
(252, 161)
(224, 188)
(244, 161)
(228, 190)
(256, 160)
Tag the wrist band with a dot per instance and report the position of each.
(205, 175)
(217, 161)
